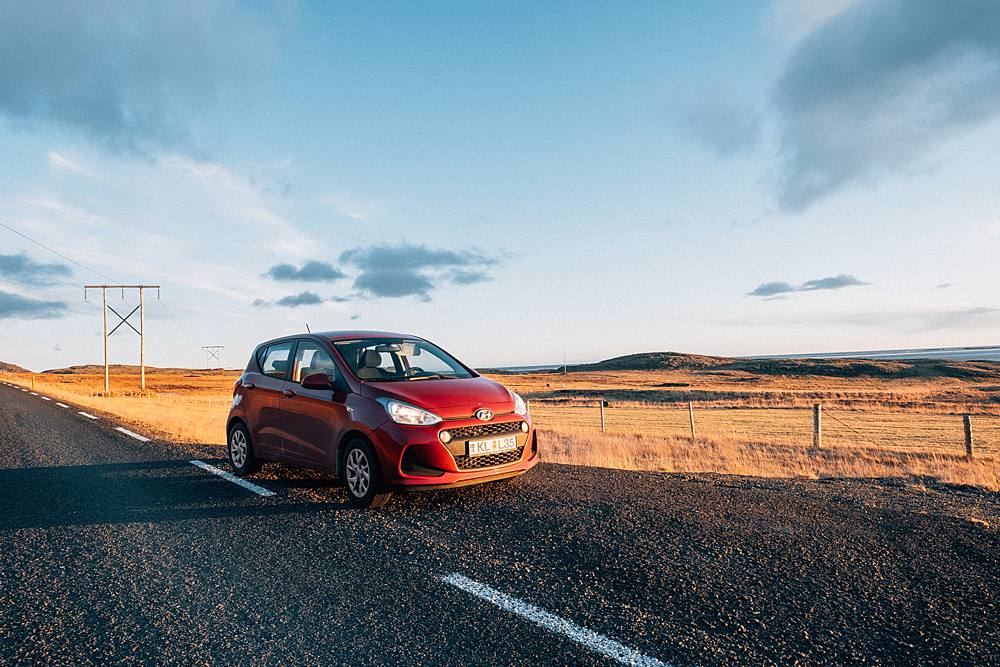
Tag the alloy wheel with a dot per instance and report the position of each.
(238, 448)
(358, 473)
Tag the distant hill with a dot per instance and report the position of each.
(123, 369)
(919, 368)
(11, 368)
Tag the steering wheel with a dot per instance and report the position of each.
(414, 370)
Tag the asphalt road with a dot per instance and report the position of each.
(118, 550)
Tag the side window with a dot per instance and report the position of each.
(311, 358)
(274, 361)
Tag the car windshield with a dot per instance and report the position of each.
(399, 360)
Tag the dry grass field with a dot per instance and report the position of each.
(747, 422)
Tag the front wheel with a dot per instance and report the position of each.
(362, 476)
(240, 449)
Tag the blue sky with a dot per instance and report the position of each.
(515, 181)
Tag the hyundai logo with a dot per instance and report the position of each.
(482, 414)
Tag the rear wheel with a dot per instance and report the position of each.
(240, 449)
(362, 475)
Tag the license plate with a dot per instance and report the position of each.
(492, 446)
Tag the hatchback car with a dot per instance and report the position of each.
(382, 411)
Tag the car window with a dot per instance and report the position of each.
(311, 358)
(274, 360)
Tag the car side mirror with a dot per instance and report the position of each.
(317, 381)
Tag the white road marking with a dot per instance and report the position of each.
(598, 643)
(140, 438)
(46, 398)
(259, 490)
(62, 405)
(87, 415)
(33, 393)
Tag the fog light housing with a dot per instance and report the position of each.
(445, 437)
(524, 426)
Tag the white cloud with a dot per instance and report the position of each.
(355, 208)
(63, 163)
(793, 19)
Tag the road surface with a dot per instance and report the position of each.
(117, 549)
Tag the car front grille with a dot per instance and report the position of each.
(488, 461)
(479, 430)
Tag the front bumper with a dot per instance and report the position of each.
(414, 456)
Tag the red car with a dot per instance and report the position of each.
(383, 411)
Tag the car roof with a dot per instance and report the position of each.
(354, 335)
(334, 336)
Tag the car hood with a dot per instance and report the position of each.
(450, 399)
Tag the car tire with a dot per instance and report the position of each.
(239, 447)
(362, 475)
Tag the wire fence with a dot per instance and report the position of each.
(891, 430)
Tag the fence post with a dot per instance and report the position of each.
(602, 415)
(967, 419)
(32, 382)
(817, 426)
(691, 415)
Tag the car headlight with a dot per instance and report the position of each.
(404, 413)
(520, 407)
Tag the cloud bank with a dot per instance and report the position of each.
(16, 306)
(22, 269)
(830, 283)
(312, 271)
(878, 85)
(413, 270)
(124, 74)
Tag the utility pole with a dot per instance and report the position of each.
(213, 352)
(124, 320)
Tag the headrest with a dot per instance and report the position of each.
(371, 359)
(280, 366)
(322, 362)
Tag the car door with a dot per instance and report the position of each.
(263, 393)
(312, 420)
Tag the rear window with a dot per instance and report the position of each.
(274, 360)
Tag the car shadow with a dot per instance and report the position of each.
(139, 492)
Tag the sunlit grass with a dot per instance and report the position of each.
(900, 432)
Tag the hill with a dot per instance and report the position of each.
(11, 368)
(896, 369)
(124, 369)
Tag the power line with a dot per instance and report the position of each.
(166, 309)
(169, 312)
(56, 252)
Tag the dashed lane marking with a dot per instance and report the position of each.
(46, 398)
(62, 405)
(589, 639)
(249, 486)
(86, 414)
(140, 438)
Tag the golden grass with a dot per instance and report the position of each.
(879, 429)
(737, 457)
(188, 409)
(872, 428)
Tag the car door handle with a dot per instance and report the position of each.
(248, 385)
(289, 393)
